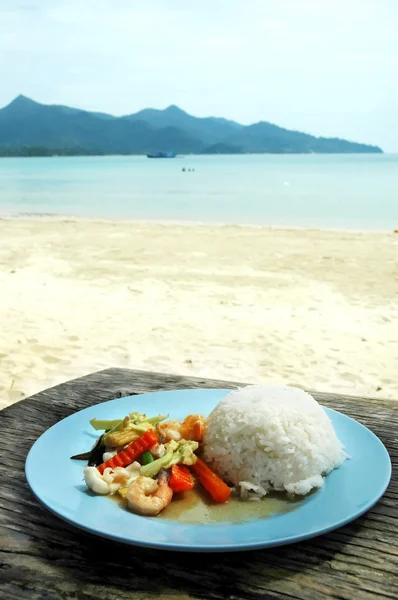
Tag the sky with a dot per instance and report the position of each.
(326, 67)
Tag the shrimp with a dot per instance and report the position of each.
(169, 430)
(149, 497)
(193, 427)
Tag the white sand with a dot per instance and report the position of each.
(313, 308)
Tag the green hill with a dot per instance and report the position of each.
(30, 128)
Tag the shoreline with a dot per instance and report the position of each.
(65, 218)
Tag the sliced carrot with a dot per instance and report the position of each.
(180, 479)
(132, 452)
(212, 483)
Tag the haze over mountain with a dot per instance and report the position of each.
(28, 127)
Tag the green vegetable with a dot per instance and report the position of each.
(147, 458)
(181, 452)
(128, 423)
(137, 421)
(104, 423)
(156, 420)
(139, 428)
(141, 418)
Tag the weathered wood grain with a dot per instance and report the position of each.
(41, 557)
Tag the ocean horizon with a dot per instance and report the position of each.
(338, 191)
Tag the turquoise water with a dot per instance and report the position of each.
(335, 191)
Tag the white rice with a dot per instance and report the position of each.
(264, 438)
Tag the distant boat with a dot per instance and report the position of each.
(162, 155)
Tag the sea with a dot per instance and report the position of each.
(347, 191)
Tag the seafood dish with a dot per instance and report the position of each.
(258, 440)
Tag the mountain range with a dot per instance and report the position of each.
(30, 128)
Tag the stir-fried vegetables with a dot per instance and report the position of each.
(166, 454)
(219, 490)
(176, 452)
(122, 491)
(131, 453)
(134, 417)
(94, 456)
(130, 428)
(180, 479)
(121, 438)
(147, 458)
(100, 424)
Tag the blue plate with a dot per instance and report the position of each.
(58, 483)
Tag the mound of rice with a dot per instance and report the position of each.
(265, 438)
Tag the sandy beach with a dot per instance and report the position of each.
(316, 309)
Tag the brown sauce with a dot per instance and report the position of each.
(196, 507)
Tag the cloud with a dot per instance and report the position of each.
(321, 66)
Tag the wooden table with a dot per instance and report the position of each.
(44, 558)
